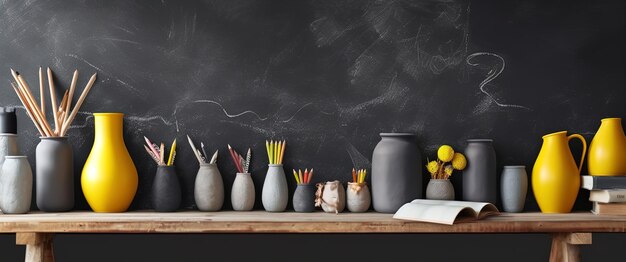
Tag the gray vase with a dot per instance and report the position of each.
(358, 198)
(514, 186)
(275, 193)
(8, 146)
(242, 194)
(54, 175)
(17, 185)
(440, 189)
(166, 195)
(396, 172)
(209, 188)
(479, 177)
(304, 198)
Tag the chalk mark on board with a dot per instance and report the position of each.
(358, 159)
(294, 114)
(104, 72)
(493, 73)
(228, 114)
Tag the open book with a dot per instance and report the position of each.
(445, 212)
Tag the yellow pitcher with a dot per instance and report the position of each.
(555, 176)
(607, 151)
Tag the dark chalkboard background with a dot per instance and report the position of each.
(327, 76)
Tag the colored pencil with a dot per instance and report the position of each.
(300, 176)
(310, 176)
(203, 151)
(295, 175)
(214, 158)
(53, 100)
(42, 92)
(172, 153)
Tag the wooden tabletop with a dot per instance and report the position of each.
(290, 222)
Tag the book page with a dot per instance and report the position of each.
(442, 214)
(478, 207)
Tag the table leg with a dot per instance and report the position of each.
(565, 246)
(38, 246)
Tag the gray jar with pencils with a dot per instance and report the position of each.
(396, 172)
(209, 188)
(275, 194)
(358, 198)
(54, 176)
(16, 185)
(166, 193)
(242, 194)
(304, 198)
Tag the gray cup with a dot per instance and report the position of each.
(54, 181)
(17, 185)
(514, 186)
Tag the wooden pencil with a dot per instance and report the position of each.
(282, 152)
(53, 100)
(300, 176)
(79, 103)
(33, 105)
(71, 93)
(310, 176)
(42, 93)
(28, 110)
(162, 156)
(295, 175)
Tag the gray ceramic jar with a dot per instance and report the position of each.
(358, 197)
(275, 194)
(479, 177)
(209, 188)
(8, 146)
(396, 172)
(17, 185)
(440, 189)
(166, 195)
(242, 194)
(54, 175)
(513, 187)
(304, 198)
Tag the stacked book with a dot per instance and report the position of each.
(608, 194)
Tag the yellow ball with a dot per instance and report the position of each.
(458, 161)
(432, 167)
(445, 153)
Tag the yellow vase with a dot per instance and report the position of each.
(607, 151)
(109, 178)
(555, 176)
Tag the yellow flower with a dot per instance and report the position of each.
(445, 153)
(432, 167)
(458, 161)
(448, 169)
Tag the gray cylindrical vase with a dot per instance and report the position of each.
(275, 193)
(166, 195)
(304, 198)
(209, 188)
(54, 175)
(242, 194)
(396, 172)
(479, 177)
(358, 198)
(514, 186)
(333, 197)
(17, 185)
(440, 189)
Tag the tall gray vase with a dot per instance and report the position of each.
(513, 186)
(242, 195)
(275, 194)
(54, 176)
(17, 185)
(396, 172)
(479, 177)
(209, 188)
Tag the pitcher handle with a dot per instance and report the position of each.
(582, 158)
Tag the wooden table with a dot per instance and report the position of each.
(36, 230)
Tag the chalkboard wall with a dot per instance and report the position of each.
(327, 76)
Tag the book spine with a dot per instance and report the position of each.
(609, 182)
(614, 196)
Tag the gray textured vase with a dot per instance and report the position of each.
(166, 194)
(17, 185)
(304, 198)
(440, 189)
(275, 193)
(396, 172)
(242, 194)
(54, 175)
(514, 186)
(358, 197)
(209, 188)
(479, 177)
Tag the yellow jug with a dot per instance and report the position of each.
(109, 178)
(555, 176)
(607, 151)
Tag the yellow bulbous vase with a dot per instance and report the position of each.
(109, 178)
(555, 177)
(607, 151)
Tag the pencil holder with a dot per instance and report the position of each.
(242, 194)
(358, 197)
(331, 196)
(275, 193)
(54, 175)
(17, 185)
(304, 198)
(166, 189)
(209, 188)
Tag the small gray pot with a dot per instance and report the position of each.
(358, 198)
(304, 198)
(166, 195)
(242, 194)
(17, 185)
(275, 193)
(209, 188)
(440, 189)
(514, 186)
(54, 183)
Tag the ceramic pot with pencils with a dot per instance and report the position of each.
(331, 196)
(304, 198)
(358, 198)
(209, 188)
(275, 194)
(16, 185)
(54, 175)
(166, 195)
(242, 195)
